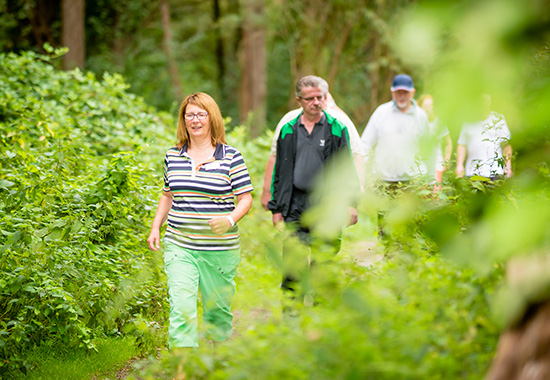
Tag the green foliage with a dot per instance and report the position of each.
(415, 315)
(53, 362)
(76, 197)
(126, 37)
(498, 48)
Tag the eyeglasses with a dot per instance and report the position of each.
(309, 100)
(199, 115)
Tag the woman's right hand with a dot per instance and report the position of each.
(153, 241)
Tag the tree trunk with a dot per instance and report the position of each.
(72, 15)
(337, 53)
(252, 92)
(375, 74)
(167, 47)
(523, 350)
(219, 47)
(43, 14)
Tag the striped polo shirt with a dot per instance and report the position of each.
(202, 194)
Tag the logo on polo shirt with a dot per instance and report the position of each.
(321, 142)
(212, 166)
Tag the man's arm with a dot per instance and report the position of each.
(507, 153)
(506, 148)
(274, 203)
(359, 162)
(352, 216)
(277, 216)
(268, 176)
(460, 158)
(358, 185)
(447, 150)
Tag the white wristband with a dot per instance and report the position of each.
(231, 221)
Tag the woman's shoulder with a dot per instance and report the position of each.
(231, 153)
(230, 149)
(173, 151)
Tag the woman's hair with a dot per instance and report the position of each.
(204, 101)
(423, 98)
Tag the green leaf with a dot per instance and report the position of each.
(5, 184)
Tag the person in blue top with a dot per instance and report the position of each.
(202, 177)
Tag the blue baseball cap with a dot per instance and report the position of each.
(402, 82)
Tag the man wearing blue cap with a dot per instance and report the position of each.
(393, 136)
(393, 139)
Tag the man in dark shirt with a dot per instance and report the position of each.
(304, 147)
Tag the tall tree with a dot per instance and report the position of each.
(317, 34)
(167, 46)
(345, 42)
(72, 18)
(42, 16)
(253, 83)
(217, 15)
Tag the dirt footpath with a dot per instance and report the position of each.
(365, 253)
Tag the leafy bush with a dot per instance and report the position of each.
(75, 201)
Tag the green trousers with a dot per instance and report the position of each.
(213, 272)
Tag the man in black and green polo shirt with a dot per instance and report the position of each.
(305, 146)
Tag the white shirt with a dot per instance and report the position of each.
(483, 141)
(395, 139)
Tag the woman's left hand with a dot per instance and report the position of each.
(219, 225)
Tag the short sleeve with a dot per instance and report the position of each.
(166, 186)
(504, 130)
(238, 173)
(285, 119)
(369, 137)
(443, 131)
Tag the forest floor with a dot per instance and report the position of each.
(365, 253)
